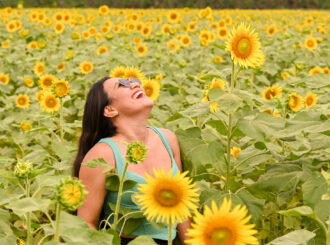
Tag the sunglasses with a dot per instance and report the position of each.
(127, 82)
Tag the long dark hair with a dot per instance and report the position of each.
(95, 125)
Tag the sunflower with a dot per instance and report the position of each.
(222, 33)
(173, 16)
(166, 28)
(4, 78)
(40, 95)
(58, 16)
(244, 46)
(103, 10)
(61, 88)
(59, 28)
(217, 83)
(23, 101)
(86, 67)
(5, 44)
(310, 43)
(185, 40)
(104, 29)
(295, 102)
(146, 30)
(49, 102)
(46, 81)
(141, 49)
(39, 68)
(268, 111)
(102, 49)
(92, 30)
(234, 151)
(326, 70)
(271, 30)
(217, 59)
(85, 34)
(214, 106)
(61, 66)
(70, 193)
(191, 27)
(118, 71)
(11, 26)
(310, 99)
(167, 198)
(315, 70)
(26, 125)
(273, 91)
(134, 72)
(151, 88)
(220, 226)
(136, 152)
(285, 75)
(28, 81)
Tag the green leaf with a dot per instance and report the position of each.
(130, 225)
(253, 204)
(298, 237)
(142, 240)
(22, 206)
(112, 182)
(99, 162)
(196, 110)
(5, 197)
(299, 211)
(8, 175)
(229, 103)
(215, 93)
(127, 211)
(220, 126)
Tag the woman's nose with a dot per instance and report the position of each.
(134, 84)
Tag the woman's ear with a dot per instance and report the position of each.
(109, 111)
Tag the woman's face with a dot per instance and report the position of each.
(126, 100)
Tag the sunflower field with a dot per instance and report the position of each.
(245, 91)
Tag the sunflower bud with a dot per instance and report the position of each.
(70, 193)
(136, 152)
(23, 169)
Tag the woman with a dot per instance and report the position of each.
(117, 110)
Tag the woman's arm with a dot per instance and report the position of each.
(182, 227)
(94, 181)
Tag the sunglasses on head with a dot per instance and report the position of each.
(127, 82)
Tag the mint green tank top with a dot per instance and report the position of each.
(111, 197)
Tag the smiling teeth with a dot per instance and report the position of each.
(137, 94)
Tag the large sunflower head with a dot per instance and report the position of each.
(61, 88)
(167, 198)
(310, 99)
(295, 102)
(151, 88)
(217, 83)
(46, 81)
(86, 67)
(244, 46)
(118, 71)
(49, 102)
(23, 101)
(222, 226)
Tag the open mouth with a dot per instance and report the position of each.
(138, 95)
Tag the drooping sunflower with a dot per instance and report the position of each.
(234, 151)
(46, 81)
(214, 106)
(310, 99)
(71, 193)
(39, 68)
(295, 102)
(310, 43)
(118, 71)
(61, 88)
(218, 83)
(102, 49)
(141, 49)
(23, 101)
(86, 67)
(167, 198)
(4, 78)
(268, 111)
(244, 46)
(273, 91)
(151, 88)
(49, 102)
(134, 72)
(61, 66)
(220, 226)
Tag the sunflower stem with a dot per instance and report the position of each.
(170, 232)
(61, 119)
(57, 226)
(28, 216)
(120, 193)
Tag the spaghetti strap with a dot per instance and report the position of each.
(120, 162)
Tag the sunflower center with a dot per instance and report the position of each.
(50, 103)
(138, 153)
(243, 46)
(220, 236)
(21, 101)
(148, 91)
(309, 101)
(310, 43)
(167, 197)
(223, 33)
